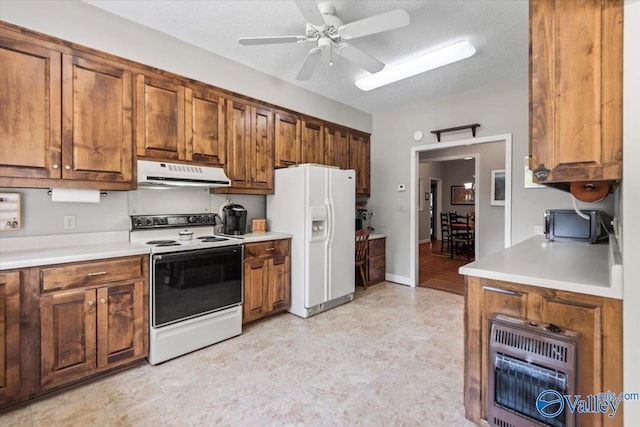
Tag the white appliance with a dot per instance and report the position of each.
(317, 205)
(154, 174)
(195, 283)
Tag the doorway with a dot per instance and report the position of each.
(433, 208)
(468, 144)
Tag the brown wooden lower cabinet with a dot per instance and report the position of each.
(598, 320)
(267, 279)
(376, 263)
(10, 386)
(86, 327)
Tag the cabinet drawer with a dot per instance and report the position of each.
(267, 249)
(90, 273)
(376, 247)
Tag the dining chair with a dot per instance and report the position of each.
(446, 232)
(462, 235)
(362, 249)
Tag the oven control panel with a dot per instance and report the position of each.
(139, 222)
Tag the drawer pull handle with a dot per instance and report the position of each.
(97, 273)
(502, 291)
(270, 249)
(90, 303)
(102, 300)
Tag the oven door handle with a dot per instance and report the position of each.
(190, 255)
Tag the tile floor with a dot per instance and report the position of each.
(392, 357)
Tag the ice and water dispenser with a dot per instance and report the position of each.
(318, 217)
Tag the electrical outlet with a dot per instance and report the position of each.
(402, 207)
(69, 222)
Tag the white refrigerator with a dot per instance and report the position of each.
(317, 205)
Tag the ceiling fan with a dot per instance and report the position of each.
(330, 33)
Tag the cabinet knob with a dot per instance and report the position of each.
(67, 167)
(541, 173)
(90, 303)
(56, 166)
(102, 300)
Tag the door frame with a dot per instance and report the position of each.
(413, 217)
(437, 202)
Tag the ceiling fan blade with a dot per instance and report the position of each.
(375, 24)
(310, 12)
(310, 64)
(252, 41)
(358, 57)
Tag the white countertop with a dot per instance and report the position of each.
(576, 267)
(377, 236)
(261, 237)
(23, 253)
(58, 255)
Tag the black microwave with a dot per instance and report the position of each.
(566, 225)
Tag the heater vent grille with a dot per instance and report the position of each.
(544, 348)
(501, 423)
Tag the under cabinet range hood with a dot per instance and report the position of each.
(155, 174)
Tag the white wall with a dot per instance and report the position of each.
(500, 109)
(428, 171)
(630, 208)
(87, 25)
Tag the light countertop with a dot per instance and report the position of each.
(377, 236)
(261, 237)
(47, 250)
(59, 255)
(576, 267)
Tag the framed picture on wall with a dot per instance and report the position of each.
(462, 196)
(498, 187)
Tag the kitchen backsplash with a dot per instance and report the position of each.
(41, 216)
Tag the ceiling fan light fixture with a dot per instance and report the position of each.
(432, 60)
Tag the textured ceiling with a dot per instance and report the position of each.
(498, 30)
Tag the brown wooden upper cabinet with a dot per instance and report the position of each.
(178, 122)
(249, 148)
(312, 141)
(336, 146)
(287, 139)
(359, 160)
(64, 117)
(575, 102)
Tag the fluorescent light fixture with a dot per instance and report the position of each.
(437, 58)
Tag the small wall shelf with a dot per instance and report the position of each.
(473, 127)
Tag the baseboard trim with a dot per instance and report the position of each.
(396, 278)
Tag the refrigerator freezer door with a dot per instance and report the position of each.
(341, 239)
(316, 262)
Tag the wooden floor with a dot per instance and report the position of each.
(438, 271)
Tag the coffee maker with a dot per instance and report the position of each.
(234, 218)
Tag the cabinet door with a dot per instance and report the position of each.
(9, 335)
(287, 139)
(159, 118)
(204, 127)
(238, 142)
(599, 358)
(336, 143)
(256, 289)
(260, 158)
(96, 120)
(121, 326)
(280, 283)
(576, 90)
(31, 103)
(67, 336)
(312, 140)
(359, 161)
